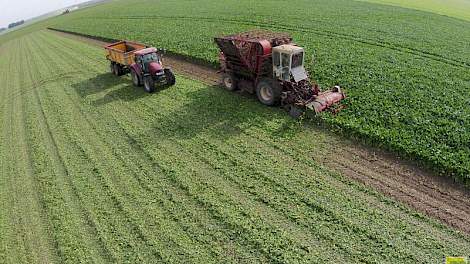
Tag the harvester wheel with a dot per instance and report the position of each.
(170, 77)
(268, 91)
(229, 81)
(149, 84)
(135, 78)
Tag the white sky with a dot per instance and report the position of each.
(15, 10)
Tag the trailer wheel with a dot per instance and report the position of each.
(119, 69)
(268, 91)
(170, 77)
(116, 69)
(111, 68)
(135, 78)
(149, 84)
(229, 81)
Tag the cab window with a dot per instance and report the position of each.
(285, 60)
(150, 57)
(276, 59)
(297, 59)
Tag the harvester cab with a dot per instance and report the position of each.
(288, 62)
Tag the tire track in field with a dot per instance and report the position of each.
(331, 34)
(384, 167)
(437, 188)
(73, 198)
(90, 123)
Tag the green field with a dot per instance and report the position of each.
(453, 8)
(96, 171)
(406, 72)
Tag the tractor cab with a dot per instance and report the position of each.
(145, 57)
(288, 62)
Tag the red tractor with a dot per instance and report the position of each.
(271, 66)
(144, 64)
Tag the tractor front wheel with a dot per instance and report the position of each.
(149, 84)
(268, 91)
(170, 77)
(229, 81)
(135, 78)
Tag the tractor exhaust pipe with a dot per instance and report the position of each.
(324, 100)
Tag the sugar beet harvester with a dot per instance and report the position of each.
(272, 66)
(143, 62)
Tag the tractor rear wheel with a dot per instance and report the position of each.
(149, 84)
(135, 78)
(170, 77)
(229, 81)
(268, 91)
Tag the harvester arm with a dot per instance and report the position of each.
(325, 100)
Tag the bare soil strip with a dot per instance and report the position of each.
(437, 197)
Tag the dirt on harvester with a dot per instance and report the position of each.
(404, 181)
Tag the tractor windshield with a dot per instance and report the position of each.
(150, 57)
(297, 59)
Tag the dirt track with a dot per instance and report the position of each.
(435, 196)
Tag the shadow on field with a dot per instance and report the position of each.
(222, 114)
(107, 81)
(96, 84)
